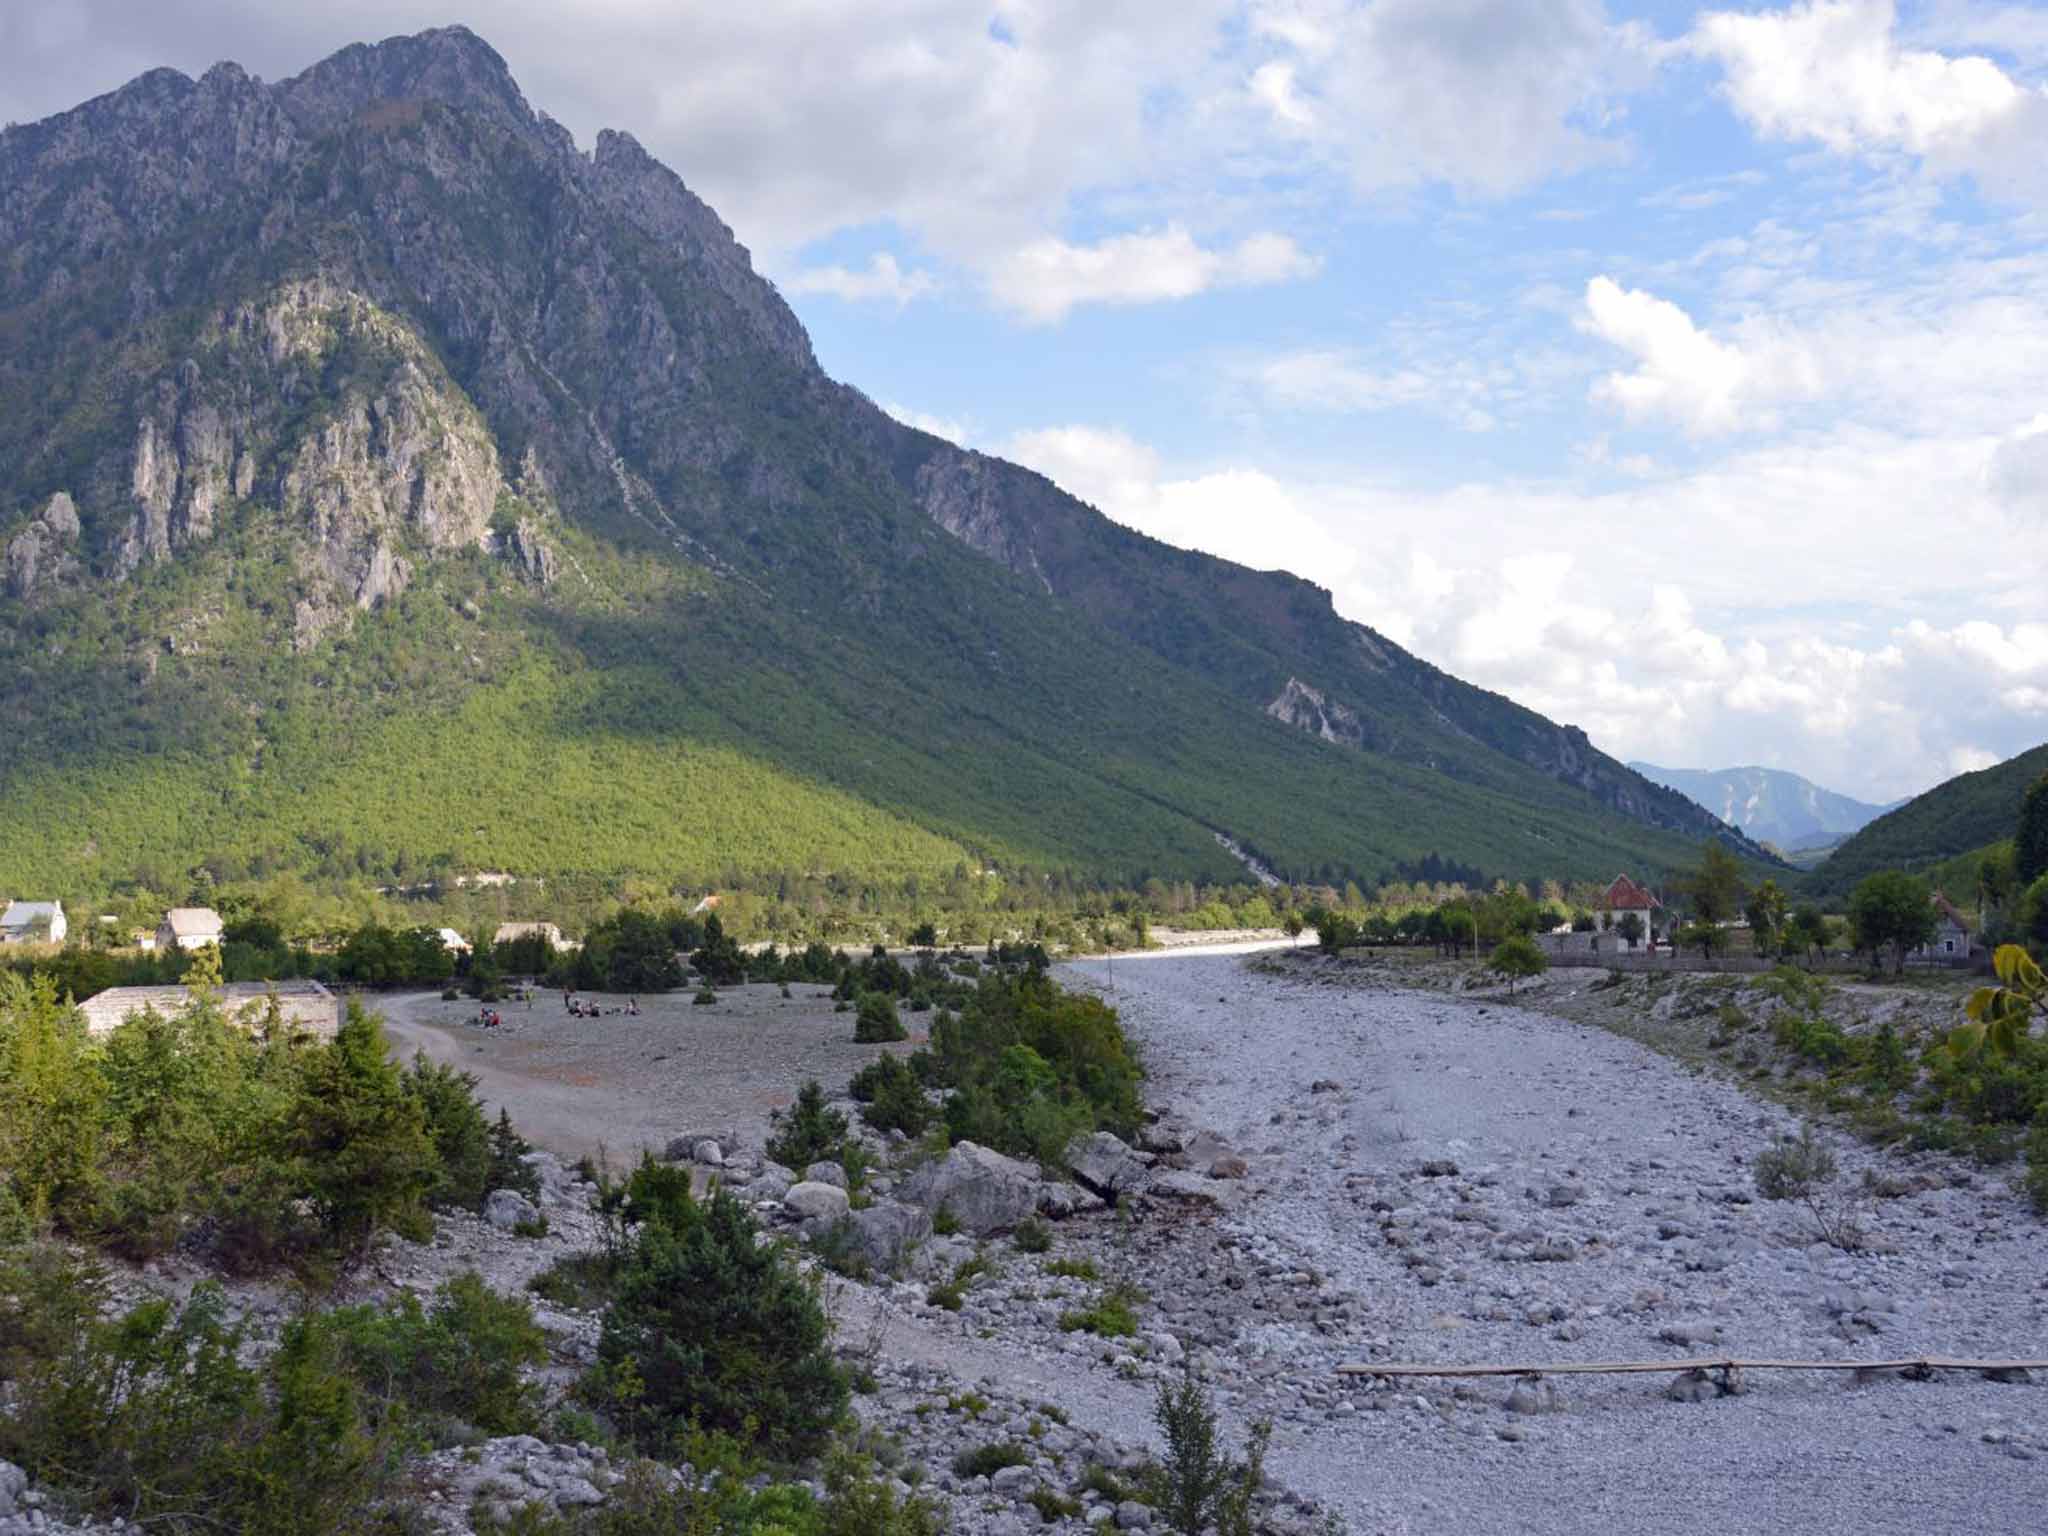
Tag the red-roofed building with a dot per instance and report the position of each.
(1625, 896)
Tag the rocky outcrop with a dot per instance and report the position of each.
(982, 1190)
(1105, 1166)
(1306, 709)
(44, 553)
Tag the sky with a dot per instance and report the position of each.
(1680, 372)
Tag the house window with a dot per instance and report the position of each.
(1948, 946)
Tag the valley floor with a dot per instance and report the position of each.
(1432, 1178)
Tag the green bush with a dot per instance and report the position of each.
(894, 1098)
(1114, 1315)
(461, 1136)
(1032, 1236)
(362, 1140)
(1197, 1485)
(988, 1460)
(712, 1328)
(876, 1022)
(1794, 1169)
(463, 1358)
(807, 1132)
(154, 1416)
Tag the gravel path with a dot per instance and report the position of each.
(1601, 1204)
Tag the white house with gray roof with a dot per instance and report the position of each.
(33, 922)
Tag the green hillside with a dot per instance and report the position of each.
(1963, 815)
(490, 511)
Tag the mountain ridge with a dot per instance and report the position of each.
(1771, 805)
(336, 406)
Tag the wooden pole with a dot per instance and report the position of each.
(1707, 1363)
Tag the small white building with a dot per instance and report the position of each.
(189, 928)
(512, 933)
(1952, 939)
(300, 1004)
(454, 942)
(33, 922)
(1623, 897)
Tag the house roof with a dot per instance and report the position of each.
(21, 914)
(1948, 911)
(525, 930)
(1624, 895)
(193, 921)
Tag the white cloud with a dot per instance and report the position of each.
(951, 429)
(1045, 279)
(1489, 96)
(2018, 471)
(1834, 71)
(882, 278)
(1705, 385)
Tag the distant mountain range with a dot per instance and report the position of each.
(1770, 805)
(390, 485)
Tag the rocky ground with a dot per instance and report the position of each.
(1368, 1173)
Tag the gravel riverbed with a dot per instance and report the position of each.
(1478, 1183)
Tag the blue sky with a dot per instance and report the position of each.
(1680, 371)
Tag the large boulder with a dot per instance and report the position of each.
(984, 1191)
(887, 1231)
(1105, 1166)
(506, 1209)
(826, 1173)
(810, 1201)
(772, 1182)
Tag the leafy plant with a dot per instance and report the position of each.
(2001, 1016)
(1197, 1484)
(809, 1131)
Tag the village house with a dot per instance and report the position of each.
(512, 933)
(303, 1004)
(1952, 939)
(1623, 897)
(33, 922)
(188, 928)
(454, 942)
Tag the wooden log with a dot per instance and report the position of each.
(1706, 1363)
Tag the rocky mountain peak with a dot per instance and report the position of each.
(449, 65)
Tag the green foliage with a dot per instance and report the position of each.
(461, 1359)
(1715, 887)
(808, 1131)
(154, 1416)
(2001, 1016)
(633, 951)
(1198, 1485)
(876, 1023)
(1113, 1316)
(1032, 1236)
(361, 1139)
(509, 1168)
(1033, 1066)
(1072, 1269)
(463, 1140)
(711, 1327)
(719, 961)
(1517, 958)
(2030, 839)
(988, 1460)
(1891, 910)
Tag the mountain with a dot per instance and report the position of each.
(389, 486)
(1770, 805)
(1961, 815)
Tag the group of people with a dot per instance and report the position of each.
(581, 1010)
(488, 1018)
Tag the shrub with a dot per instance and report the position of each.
(988, 1460)
(1794, 1169)
(461, 1136)
(876, 1022)
(705, 997)
(895, 1099)
(1072, 1269)
(509, 1168)
(712, 1328)
(582, 1281)
(362, 1140)
(462, 1358)
(1197, 1485)
(808, 1132)
(1032, 1236)
(1114, 1316)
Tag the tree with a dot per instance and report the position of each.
(1807, 931)
(1766, 916)
(1630, 928)
(1517, 957)
(1715, 888)
(877, 1022)
(1891, 908)
(2030, 841)
(714, 1329)
(361, 1139)
(719, 961)
(1198, 1486)
(1708, 936)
